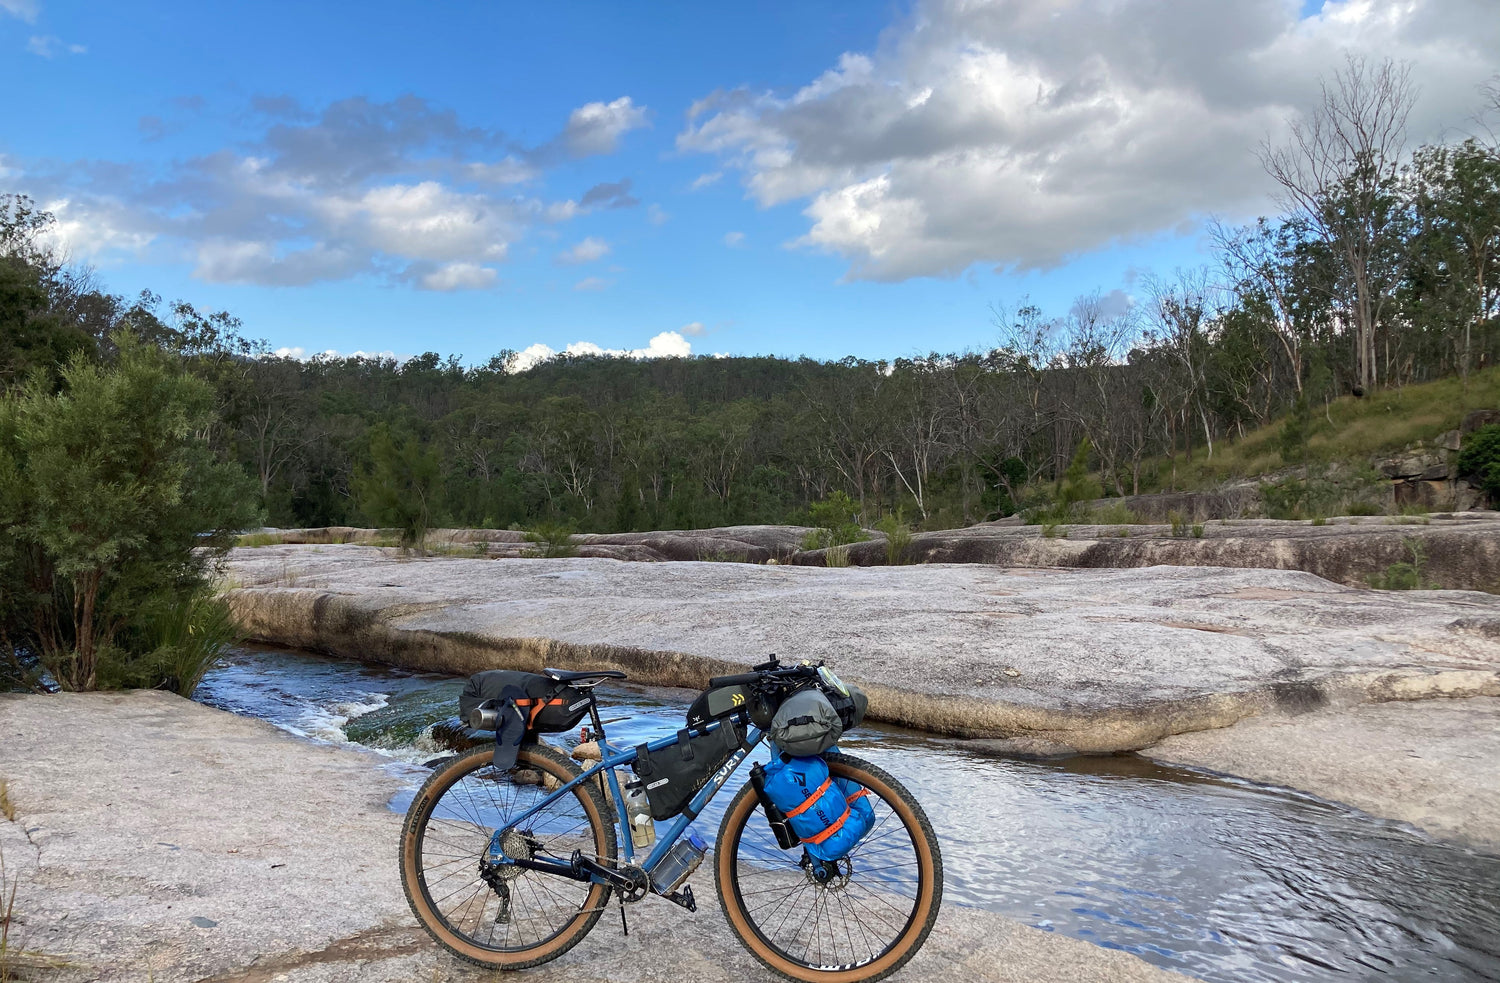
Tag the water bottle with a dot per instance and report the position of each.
(679, 863)
(638, 812)
(781, 827)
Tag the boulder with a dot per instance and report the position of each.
(1475, 419)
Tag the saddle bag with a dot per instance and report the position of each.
(547, 706)
(674, 774)
(830, 815)
(525, 703)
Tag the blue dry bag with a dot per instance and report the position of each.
(830, 815)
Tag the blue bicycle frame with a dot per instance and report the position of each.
(614, 757)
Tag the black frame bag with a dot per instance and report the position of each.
(674, 774)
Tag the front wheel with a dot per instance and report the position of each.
(499, 915)
(861, 924)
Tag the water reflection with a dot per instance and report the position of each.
(1222, 879)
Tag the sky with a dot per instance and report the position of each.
(809, 178)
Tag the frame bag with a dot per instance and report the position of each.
(674, 774)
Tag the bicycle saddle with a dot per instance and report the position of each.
(589, 677)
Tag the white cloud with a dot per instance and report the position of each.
(692, 328)
(667, 344)
(657, 215)
(458, 276)
(49, 46)
(1020, 133)
(704, 180)
(596, 127)
(401, 191)
(25, 10)
(591, 284)
(734, 239)
(586, 251)
(333, 354)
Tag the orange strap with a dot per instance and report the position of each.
(827, 832)
(857, 795)
(807, 802)
(537, 706)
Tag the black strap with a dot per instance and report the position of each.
(685, 745)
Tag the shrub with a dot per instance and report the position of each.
(836, 556)
(1362, 508)
(897, 538)
(116, 508)
(399, 486)
(1197, 530)
(250, 540)
(552, 539)
(1178, 523)
(1479, 461)
(837, 519)
(1404, 575)
(184, 636)
(1117, 514)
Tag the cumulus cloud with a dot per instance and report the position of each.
(692, 328)
(50, 46)
(734, 239)
(668, 344)
(704, 180)
(25, 10)
(1020, 133)
(403, 191)
(596, 127)
(586, 251)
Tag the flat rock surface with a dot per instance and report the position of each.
(157, 839)
(1434, 764)
(1058, 650)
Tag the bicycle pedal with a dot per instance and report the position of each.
(683, 899)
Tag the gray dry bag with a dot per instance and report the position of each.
(806, 724)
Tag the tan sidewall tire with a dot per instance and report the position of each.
(544, 759)
(929, 897)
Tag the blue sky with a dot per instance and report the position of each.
(811, 178)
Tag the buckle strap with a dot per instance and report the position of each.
(807, 803)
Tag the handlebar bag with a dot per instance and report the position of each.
(726, 701)
(528, 703)
(830, 815)
(674, 774)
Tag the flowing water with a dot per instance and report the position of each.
(1221, 879)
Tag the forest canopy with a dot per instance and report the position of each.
(1380, 271)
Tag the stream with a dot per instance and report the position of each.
(1222, 879)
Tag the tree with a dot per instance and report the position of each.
(398, 488)
(1341, 174)
(114, 506)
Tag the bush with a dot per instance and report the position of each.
(1479, 461)
(183, 637)
(552, 539)
(837, 518)
(1074, 488)
(897, 538)
(116, 508)
(398, 488)
(1404, 575)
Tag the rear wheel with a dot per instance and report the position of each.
(861, 921)
(501, 916)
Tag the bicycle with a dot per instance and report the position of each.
(510, 870)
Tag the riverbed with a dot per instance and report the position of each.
(1222, 879)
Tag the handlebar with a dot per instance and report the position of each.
(764, 673)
